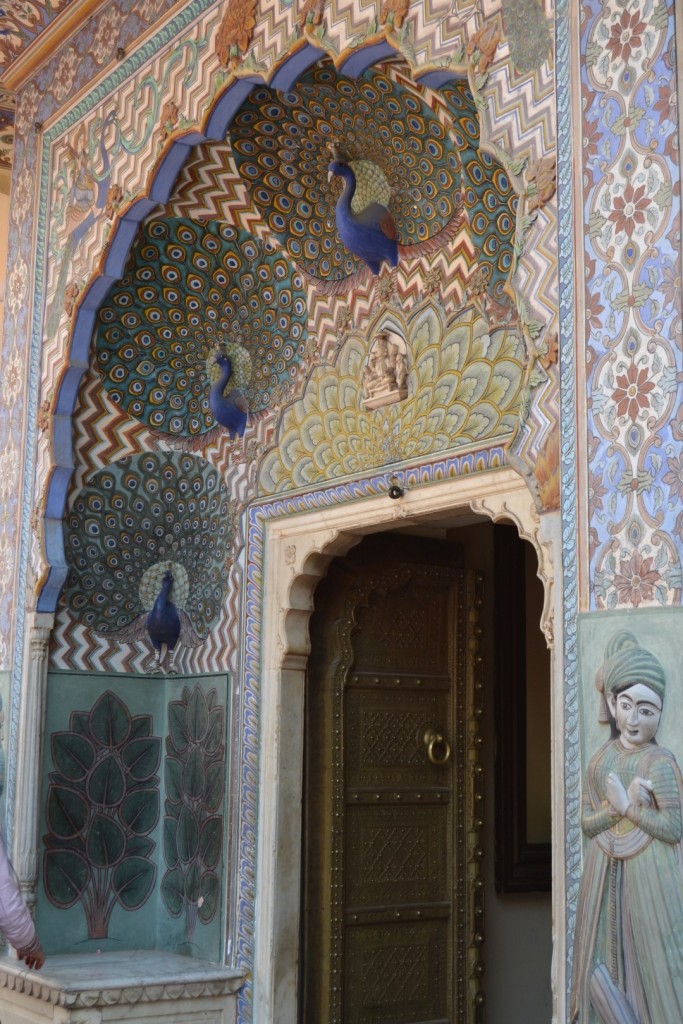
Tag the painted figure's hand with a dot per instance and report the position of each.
(616, 794)
(34, 957)
(640, 792)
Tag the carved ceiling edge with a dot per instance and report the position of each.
(520, 508)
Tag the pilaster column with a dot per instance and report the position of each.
(28, 755)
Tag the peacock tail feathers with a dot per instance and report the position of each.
(488, 196)
(407, 160)
(191, 288)
(133, 521)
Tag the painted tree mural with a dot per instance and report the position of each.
(193, 823)
(102, 805)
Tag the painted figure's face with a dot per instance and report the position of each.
(637, 712)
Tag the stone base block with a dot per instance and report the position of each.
(139, 987)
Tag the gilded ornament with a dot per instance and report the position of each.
(114, 200)
(70, 295)
(168, 119)
(44, 413)
(394, 13)
(343, 323)
(483, 45)
(311, 13)
(549, 352)
(543, 178)
(548, 473)
(236, 32)
(432, 282)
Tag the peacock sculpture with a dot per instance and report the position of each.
(229, 408)
(369, 232)
(149, 541)
(165, 624)
(373, 133)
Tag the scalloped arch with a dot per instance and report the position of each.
(110, 266)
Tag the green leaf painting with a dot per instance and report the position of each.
(194, 772)
(66, 876)
(73, 755)
(102, 803)
(110, 722)
(67, 812)
(173, 891)
(133, 881)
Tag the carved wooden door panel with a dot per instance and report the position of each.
(389, 934)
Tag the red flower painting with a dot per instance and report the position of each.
(631, 392)
(636, 581)
(594, 311)
(626, 36)
(674, 478)
(629, 209)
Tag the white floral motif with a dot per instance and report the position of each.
(9, 470)
(16, 286)
(106, 35)
(23, 197)
(64, 75)
(6, 563)
(149, 9)
(12, 378)
(27, 109)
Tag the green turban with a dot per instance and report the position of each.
(627, 663)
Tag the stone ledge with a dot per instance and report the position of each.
(107, 979)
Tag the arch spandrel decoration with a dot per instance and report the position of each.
(464, 382)
(466, 161)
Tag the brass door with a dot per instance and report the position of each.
(391, 876)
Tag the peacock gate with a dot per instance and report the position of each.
(341, 529)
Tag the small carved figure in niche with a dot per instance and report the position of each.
(628, 946)
(385, 375)
(400, 368)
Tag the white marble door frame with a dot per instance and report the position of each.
(298, 550)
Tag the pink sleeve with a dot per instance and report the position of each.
(15, 920)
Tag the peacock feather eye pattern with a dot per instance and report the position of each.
(189, 290)
(488, 194)
(137, 519)
(281, 145)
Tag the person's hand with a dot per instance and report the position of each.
(34, 957)
(640, 792)
(616, 794)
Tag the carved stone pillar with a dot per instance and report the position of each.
(28, 754)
